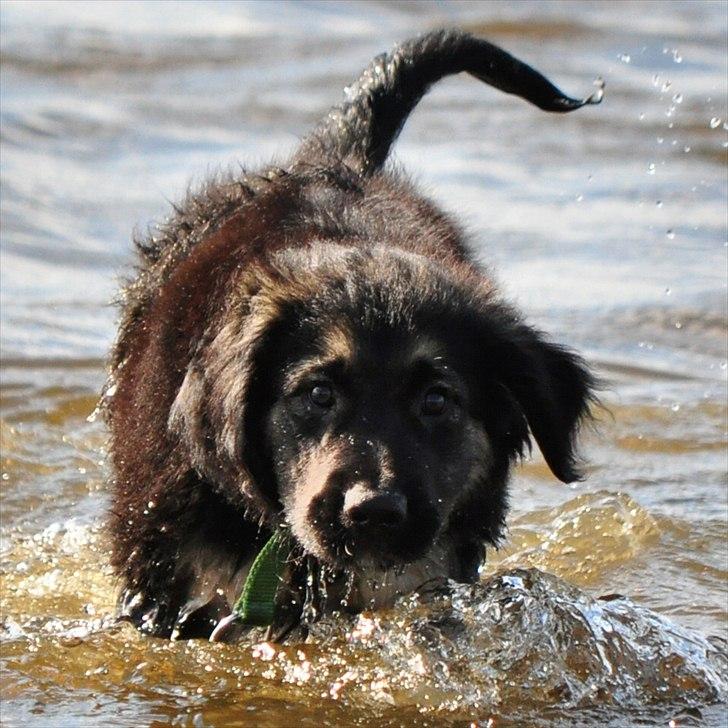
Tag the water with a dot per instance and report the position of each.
(607, 226)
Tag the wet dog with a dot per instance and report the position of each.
(312, 350)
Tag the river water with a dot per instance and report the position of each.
(608, 226)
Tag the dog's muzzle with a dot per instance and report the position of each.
(369, 510)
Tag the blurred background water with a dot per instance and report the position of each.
(608, 227)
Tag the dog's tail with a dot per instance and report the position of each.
(361, 130)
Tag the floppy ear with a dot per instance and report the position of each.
(187, 420)
(553, 389)
(212, 414)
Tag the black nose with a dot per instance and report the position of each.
(365, 507)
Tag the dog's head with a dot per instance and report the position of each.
(374, 402)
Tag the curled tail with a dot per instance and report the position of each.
(361, 130)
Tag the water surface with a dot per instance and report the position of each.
(607, 226)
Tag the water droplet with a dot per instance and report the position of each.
(668, 291)
(655, 80)
(678, 98)
(676, 57)
(686, 148)
(670, 234)
(597, 95)
(675, 407)
(624, 57)
(665, 86)
(658, 203)
(715, 122)
(670, 110)
(579, 198)
(660, 140)
(678, 324)
(651, 168)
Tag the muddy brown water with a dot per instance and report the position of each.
(607, 226)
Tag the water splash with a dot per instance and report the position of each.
(522, 640)
(520, 644)
(581, 538)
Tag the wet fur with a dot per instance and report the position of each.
(330, 259)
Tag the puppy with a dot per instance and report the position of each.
(312, 351)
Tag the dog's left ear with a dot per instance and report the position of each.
(553, 388)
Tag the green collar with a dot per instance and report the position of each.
(257, 602)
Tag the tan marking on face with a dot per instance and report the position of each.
(308, 369)
(311, 474)
(339, 343)
(337, 348)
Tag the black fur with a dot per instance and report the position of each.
(329, 274)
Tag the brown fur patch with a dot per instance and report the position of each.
(339, 343)
(313, 473)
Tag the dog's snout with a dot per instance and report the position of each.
(370, 508)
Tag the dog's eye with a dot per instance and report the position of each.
(434, 402)
(322, 395)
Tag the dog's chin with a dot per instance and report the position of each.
(382, 551)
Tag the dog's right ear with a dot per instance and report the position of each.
(209, 418)
(213, 413)
(216, 413)
(187, 420)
